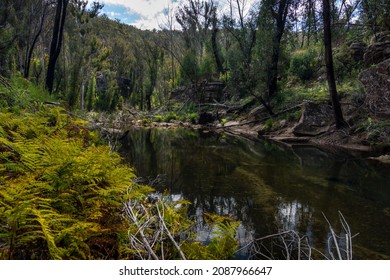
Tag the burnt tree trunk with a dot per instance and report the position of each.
(338, 114)
(32, 46)
(56, 42)
(281, 17)
(214, 45)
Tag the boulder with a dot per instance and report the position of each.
(379, 50)
(376, 81)
(206, 118)
(315, 120)
(357, 50)
(101, 83)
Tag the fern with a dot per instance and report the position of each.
(60, 197)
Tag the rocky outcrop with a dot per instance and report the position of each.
(357, 50)
(376, 81)
(379, 50)
(315, 120)
(203, 92)
(206, 118)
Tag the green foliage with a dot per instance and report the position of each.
(170, 117)
(345, 66)
(268, 124)
(189, 70)
(378, 132)
(158, 118)
(19, 93)
(223, 243)
(207, 67)
(60, 194)
(303, 64)
(192, 117)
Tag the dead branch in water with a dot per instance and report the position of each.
(290, 244)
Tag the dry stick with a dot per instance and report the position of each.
(133, 217)
(169, 234)
(348, 235)
(334, 239)
(299, 248)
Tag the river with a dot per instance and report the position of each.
(268, 187)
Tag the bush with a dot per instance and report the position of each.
(193, 117)
(303, 64)
(170, 116)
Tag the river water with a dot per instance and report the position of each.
(269, 187)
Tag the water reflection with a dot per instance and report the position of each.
(267, 187)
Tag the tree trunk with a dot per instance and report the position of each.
(338, 114)
(214, 45)
(55, 46)
(31, 48)
(280, 25)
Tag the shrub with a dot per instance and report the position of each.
(170, 116)
(303, 64)
(193, 117)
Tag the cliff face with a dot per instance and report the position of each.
(376, 81)
(378, 50)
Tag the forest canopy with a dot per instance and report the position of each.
(93, 63)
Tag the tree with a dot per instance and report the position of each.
(195, 20)
(56, 42)
(280, 11)
(214, 42)
(338, 114)
(37, 7)
(151, 56)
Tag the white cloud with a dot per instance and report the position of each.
(151, 11)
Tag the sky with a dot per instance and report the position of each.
(144, 14)
(147, 14)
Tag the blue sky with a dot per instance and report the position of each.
(149, 14)
(144, 14)
(121, 13)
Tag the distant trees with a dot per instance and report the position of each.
(96, 63)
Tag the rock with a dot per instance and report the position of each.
(211, 91)
(256, 112)
(231, 123)
(101, 83)
(282, 123)
(376, 81)
(124, 85)
(378, 51)
(205, 118)
(380, 37)
(315, 119)
(357, 50)
(384, 159)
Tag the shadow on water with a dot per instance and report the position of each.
(268, 187)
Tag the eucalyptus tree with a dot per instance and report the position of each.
(37, 16)
(280, 10)
(196, 18)
(56, 41)
(152, 53)
(338, 114)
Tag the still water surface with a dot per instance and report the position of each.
(269, 187)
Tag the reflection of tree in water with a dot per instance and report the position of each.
(266, 186)
(295, 216)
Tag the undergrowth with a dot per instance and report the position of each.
(63, 194)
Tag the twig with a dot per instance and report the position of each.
(169, 234)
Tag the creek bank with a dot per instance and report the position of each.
(315, 127)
